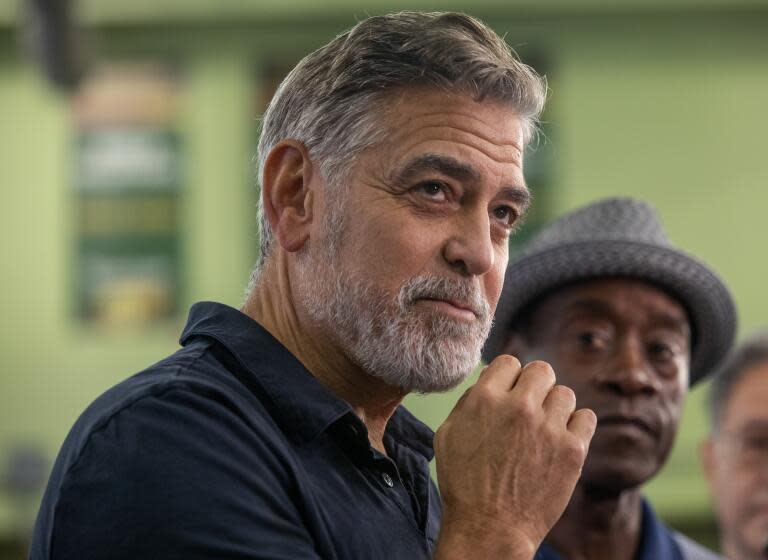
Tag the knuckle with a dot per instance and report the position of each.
(542, 370)
(540, 365)
(565, 395)
(525, 408)
(483, 394)
(574, 452)
(507, 362)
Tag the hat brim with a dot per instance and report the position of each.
(702, 293)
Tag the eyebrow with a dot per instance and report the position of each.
(437, 162)
(518, 195)
(460, 171)
(600, 307)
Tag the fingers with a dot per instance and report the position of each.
(500, 375)
(559, 404)
(559, 407)
(536, 380)
(536, 384)
(582, 424)
(513, 429)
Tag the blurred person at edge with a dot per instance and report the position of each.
(735, 455)
(628, 322)
(392, 176)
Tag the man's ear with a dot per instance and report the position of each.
(287, 196)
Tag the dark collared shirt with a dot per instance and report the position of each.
(657, 542)
(230, 448)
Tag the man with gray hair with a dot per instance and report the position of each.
(735, 455)
(391, 170)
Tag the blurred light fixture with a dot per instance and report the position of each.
(50, 36)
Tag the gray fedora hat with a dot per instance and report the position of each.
(619, 237)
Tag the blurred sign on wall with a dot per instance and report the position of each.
(128, 186)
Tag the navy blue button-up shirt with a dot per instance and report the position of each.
(656, 541)
(230, 448)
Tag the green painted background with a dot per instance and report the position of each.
(666, 102)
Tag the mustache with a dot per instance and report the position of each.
(463, 292)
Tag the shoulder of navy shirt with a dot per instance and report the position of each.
(657, 541)
(230, 448)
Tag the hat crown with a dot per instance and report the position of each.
(613, 219)
(618, 238)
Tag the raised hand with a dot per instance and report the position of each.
(508, 458)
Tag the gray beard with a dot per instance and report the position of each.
(412, 348)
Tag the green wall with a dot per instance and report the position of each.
(664, 106)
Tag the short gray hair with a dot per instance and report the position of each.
(750, 353)
(333, 100)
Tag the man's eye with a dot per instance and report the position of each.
(433, 189)
(661, 351)
(505, 214)
(591, 340)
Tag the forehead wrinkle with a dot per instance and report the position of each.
(501, 148)
(498, 154)
(467, 115)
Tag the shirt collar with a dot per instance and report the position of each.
(305, 406)
(656, 542)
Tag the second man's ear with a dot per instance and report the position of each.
(288, 198)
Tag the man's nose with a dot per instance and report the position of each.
(628, 372)
(470, 249)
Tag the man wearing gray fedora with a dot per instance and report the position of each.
(629, 322)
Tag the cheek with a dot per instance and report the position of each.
(672, 393)
(493, 283)
(672, 406)
(732, 494)
(671, 412)
(391, 250)
(493, 280)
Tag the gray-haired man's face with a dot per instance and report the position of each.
(421, 242)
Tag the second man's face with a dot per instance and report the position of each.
(623, 347)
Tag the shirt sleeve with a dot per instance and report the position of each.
(180, 475)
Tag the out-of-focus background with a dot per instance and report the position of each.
(127, 191)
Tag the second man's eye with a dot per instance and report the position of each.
(592, 340)
(661, 351)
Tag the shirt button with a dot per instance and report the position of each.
(387, 480)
